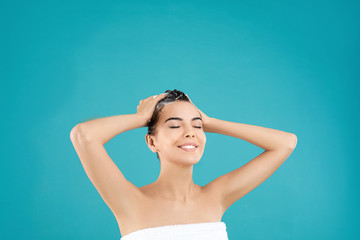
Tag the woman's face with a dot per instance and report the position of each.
(185, 128)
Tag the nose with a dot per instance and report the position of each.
(190, 135)
(189, 132)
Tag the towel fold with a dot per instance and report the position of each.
(192, 231)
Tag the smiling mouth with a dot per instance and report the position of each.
(188, 149)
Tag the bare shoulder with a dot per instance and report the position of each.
(213, 193)
(148, 207)
(233, 185)
(127, 200)
(130, 200)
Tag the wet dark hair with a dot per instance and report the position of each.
(172, 96)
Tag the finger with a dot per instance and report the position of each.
(160, 95)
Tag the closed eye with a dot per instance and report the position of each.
(179, 126)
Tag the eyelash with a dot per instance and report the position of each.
(179, 126)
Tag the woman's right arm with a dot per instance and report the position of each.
(102, 130)
(88, 139)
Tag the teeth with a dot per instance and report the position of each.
(189, 146)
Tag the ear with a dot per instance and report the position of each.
(150, 142)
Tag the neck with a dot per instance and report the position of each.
(175, 182)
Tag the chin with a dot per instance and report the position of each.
(189, 160)
(184, 159)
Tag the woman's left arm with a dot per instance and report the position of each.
(266, 138)
(278, 146)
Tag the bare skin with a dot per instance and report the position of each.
(150, 210)
(175, 180)
(174, 198)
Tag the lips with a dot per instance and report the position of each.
(188, 149)
(189, 143)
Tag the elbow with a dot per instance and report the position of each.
(74, 133)
(288, 144)
(77, 133)
(293, 141)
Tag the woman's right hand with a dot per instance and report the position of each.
(146, 107)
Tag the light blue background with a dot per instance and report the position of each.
(291, 66)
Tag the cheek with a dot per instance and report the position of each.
(203, 136)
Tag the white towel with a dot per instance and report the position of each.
(192, 231)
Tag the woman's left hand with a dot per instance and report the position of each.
(205, 118)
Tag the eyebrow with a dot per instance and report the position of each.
(180, 119)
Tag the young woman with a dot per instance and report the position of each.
(174, 207)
